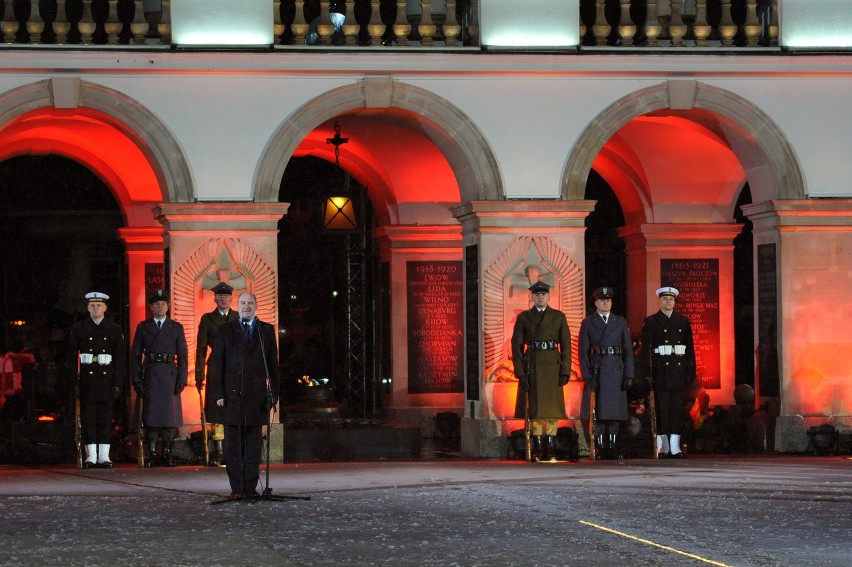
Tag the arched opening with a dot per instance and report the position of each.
(328, 293)
(59, 240)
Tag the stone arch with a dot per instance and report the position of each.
(773, 169)
(128, 116)
(461, 142)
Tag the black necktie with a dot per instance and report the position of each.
(605, 318)
(159, 324)
(247, 328)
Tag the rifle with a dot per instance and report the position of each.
(204, 428)
(593, 387)
(652, 408)
(527, 427)
(140, 432)
(78, 424)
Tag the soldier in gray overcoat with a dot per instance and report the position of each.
(158, 373)
(606, 365)
(541, 353)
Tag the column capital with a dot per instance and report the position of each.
(680, 235)
(522, 216)
(801, 214)
(419, 236)
(237, 217)
(142, 238)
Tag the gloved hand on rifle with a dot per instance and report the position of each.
(627, 383)
(179, 388)
(116, 393)
(524, 382)
(563, 379)
(137, 387)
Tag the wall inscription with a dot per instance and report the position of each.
(698, 283)
(767, 321)
(435, 327)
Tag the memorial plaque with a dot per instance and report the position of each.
(767, 321)
(435, 327)
(698, 283)
(154, 279)
(471, 297)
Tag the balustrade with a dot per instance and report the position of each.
(633, 24)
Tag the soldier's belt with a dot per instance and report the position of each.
(160, 357)
(606, 350)
(101, 359)
(670, 350)
(543, 345)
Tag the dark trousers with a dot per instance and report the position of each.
(96, 419)
(242, 457)
(669, 411)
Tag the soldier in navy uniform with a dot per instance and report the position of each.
(668, 355)
(606, 364)
(541, 353)
(158, 372)
(96, 346)
(208, 327)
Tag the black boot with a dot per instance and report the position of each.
(535, 450)
(546, 449)
(151, 461)
(551, 447)
(614, 451)
(218, 457)
(600, 450)
(168, 459)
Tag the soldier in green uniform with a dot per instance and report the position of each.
(96, 346)
(541, 352)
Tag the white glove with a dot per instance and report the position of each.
(86, 358)
(680, 349)
(104, 359)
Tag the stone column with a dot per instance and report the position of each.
(211, 242)
(143, 245)
(647, 245)
(507, 245)
(399, 245)
(811, 242)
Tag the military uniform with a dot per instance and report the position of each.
(668, 355)
(99, 350)
(541, 353)
(208, 328)
(159, 370)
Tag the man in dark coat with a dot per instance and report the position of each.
(208, 328)
(97, 356)
(242, 376)
(158, 373)
(606, 364)
(668, 355)
(541, 353)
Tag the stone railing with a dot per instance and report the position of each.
(636, 24)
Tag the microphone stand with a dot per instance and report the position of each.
(266, 494)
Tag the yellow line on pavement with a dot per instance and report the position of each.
(649, 542)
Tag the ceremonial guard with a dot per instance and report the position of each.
(541, 353)
(158, 373)
(208, 327)
(97, 355)
(668, 355)
(606, 364)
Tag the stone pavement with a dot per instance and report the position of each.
(762, 511)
